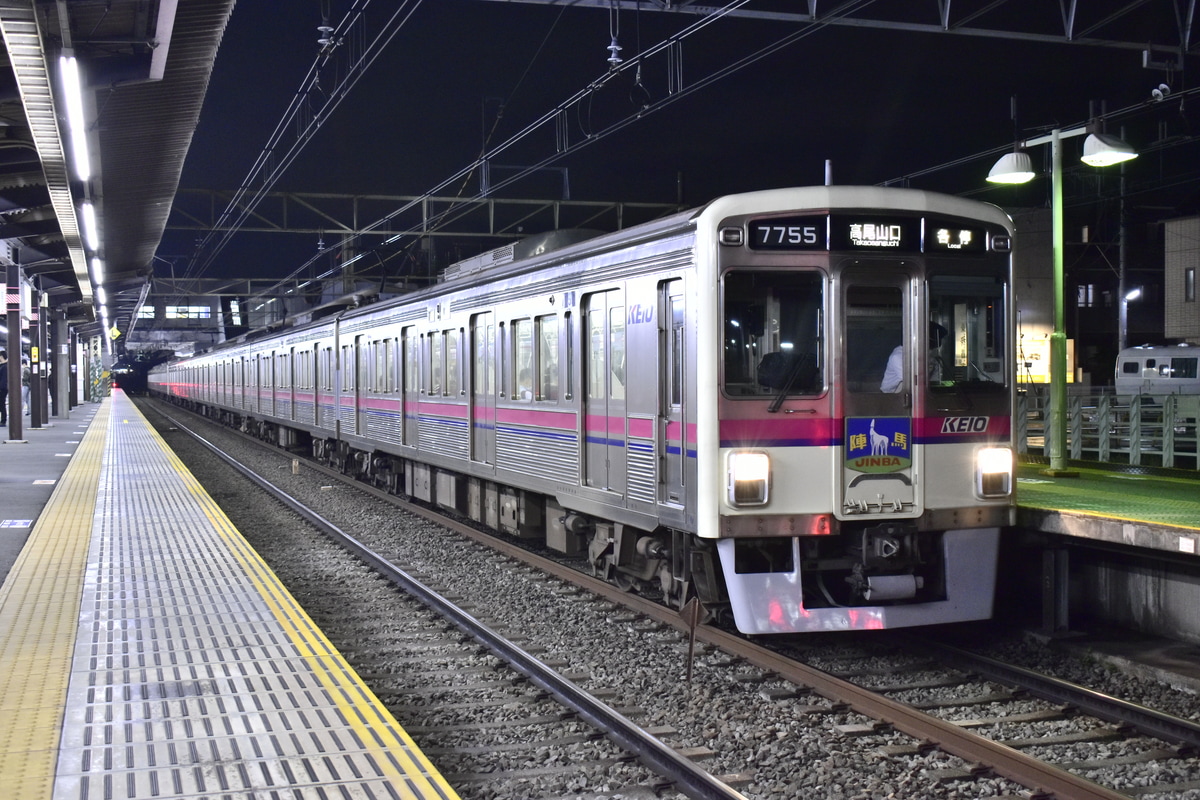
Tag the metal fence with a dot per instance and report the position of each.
(1139, 430)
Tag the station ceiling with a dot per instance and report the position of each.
(146, 67)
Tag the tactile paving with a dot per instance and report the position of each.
(194, 674)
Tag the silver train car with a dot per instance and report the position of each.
(793, 405)
(1158, 370)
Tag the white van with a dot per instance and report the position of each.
(1158, 370)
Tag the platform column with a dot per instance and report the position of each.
(1056, 575)
(13, 291)
(37, 361)
(59, 358)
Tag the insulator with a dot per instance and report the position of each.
(615, 53)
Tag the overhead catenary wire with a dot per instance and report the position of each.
(452, 213)
(271, 164)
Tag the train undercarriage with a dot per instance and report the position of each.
(862, 566)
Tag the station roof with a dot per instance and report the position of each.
(145, 68)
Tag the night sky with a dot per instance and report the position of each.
(878, 104)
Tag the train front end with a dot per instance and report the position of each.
(859, 450)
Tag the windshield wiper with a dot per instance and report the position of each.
(793, 373)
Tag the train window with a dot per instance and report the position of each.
(1183, 368)
(677, 354)
(502, 362)
(971, 309)
(348, 368)
(435, 355)
(1131, 367)
(522, 333)
(616, 351)
(547, 357)
(570, 355)
(364, 380)
(453, 380)
(596, 362)
(410, 360)
(326, 376)
(483, 350)
(874, 330)
(391, 384)
(773, 332)
(378, 357)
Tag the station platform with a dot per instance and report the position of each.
(146, 650)
(30, 467)
(1140, 507)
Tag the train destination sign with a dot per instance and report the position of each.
(862, 232)
(866, 232)
(948, 237)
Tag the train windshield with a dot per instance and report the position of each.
(773, 333)
(973, 353)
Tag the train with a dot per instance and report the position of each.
(695, 405)
(1158, 370)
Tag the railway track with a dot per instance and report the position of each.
(923, 747)
(426, 653)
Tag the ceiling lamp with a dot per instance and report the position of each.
(76, 125)
(1101, 150)
(1012, 168)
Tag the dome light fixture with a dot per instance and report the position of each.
(1012, 168)
(1102, 150)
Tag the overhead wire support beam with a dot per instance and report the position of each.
(937, 18)
(315, 213)
(849, 13)
(667, 46)
(279, 154)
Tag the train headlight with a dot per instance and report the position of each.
(749, 478)
(994, 472)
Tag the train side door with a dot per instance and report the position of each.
(604, 391)
(289, 366)
(326, 380)
(363, 380)
(877, 389)
(672, 357)
(270, 383)
(248, 390)
(312, 385)
(483, 388)
(411, 381)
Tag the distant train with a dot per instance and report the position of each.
(1158, 370)
(696, 405)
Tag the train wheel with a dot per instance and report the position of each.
(626, 583)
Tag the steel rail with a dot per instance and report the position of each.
(678, 769)
(1148, 721)
(1044, 779)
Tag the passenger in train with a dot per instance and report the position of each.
(893, 375)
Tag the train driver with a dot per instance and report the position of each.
(893, 375)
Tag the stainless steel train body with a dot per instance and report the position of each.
(1158, 370)
(696, 405)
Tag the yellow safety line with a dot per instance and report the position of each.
(39, 621)
(382, 734)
